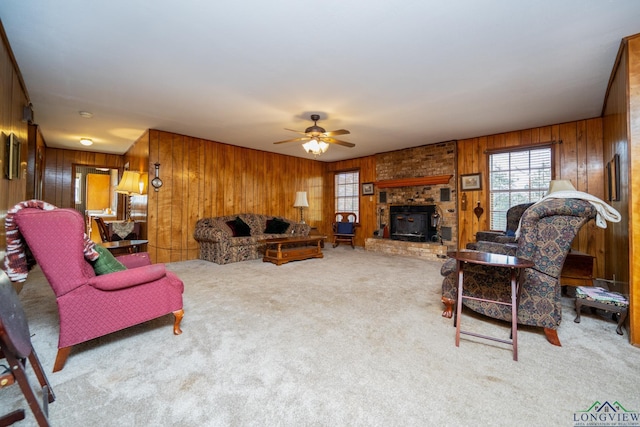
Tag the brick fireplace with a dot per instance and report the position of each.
(412, 178)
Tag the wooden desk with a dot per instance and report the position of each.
(123, 230)
(515, 264)
(130, 246)
(282, 250)
(577, 269)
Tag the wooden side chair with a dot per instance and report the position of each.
(16, 347)
(102, 228)
(344, 228)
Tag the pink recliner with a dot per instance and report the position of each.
(91, 306)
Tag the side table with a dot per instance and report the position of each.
(577, 269)
(314, 232)
(131, 246)
(515, 265)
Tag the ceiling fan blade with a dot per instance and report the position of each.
(338, 142)
(337, 132)
(303, 138)
(296, 131)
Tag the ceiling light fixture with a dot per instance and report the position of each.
(86, 141)
(85, 114)
(315, 146)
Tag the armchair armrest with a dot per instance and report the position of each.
(210, 233)
(488, 236)
(497, 248)
(135, 260)
(128, 278)
(448, 267)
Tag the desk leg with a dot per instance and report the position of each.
(459, 303)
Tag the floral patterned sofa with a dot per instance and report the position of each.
(223, 241)
(547, 230)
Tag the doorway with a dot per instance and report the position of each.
(94, 195)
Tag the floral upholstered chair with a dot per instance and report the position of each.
(514, 213)
(547, 230)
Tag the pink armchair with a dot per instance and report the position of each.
(91, 306)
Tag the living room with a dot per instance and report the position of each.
(203, 177)
(208, 178)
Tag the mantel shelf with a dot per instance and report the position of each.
(409, 182)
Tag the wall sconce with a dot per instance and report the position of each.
(157, 182)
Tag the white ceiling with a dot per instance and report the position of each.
(396, 74)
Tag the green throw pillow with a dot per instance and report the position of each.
(106, 262)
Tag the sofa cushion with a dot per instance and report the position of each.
(276, 226)
(239, 228)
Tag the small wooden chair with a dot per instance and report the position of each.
(16, 347)
(102, 228)
(344, 228)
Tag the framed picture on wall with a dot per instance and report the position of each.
(12, 157)
(471, 182)
(613, 178)
(367, 189)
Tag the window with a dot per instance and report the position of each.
(348, 192)
(515, 177)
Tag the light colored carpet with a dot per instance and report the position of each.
(354, 339)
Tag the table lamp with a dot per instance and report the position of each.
(129, 184)
(301, 202)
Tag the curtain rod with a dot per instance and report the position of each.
(522, 147)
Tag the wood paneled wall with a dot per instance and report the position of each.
(616, 142)
(58, 179)
(35, 163)
(621, 124)
(368, 221)
(203, 178)
(579, 158)
(13, 97)
(633, 164)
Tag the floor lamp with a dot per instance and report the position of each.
(129, 185)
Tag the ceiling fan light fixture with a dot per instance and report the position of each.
(315, 146)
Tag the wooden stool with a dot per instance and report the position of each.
(600, 298)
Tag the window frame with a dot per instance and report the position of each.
(540, 190)
(354, 197)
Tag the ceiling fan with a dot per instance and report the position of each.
(317, 138)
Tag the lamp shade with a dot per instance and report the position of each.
(144, 183)
(560, 185)
(301, 200)
(129, 184)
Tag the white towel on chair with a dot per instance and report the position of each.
(604, 211)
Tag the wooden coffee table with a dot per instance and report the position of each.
(282, 250)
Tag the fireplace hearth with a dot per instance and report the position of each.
(412, 223)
